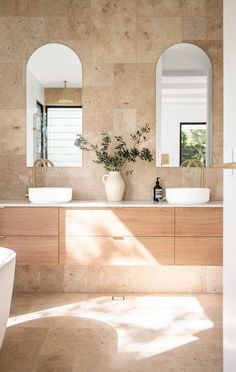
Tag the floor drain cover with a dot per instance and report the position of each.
(118, 298)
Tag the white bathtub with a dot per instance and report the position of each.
(7, 272)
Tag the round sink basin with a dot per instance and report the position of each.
(191, 195)
(50, 195)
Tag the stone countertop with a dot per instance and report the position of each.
(105, 204)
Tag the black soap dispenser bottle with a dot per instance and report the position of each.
(157, 191)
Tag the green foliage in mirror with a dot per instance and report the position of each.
(193, 145)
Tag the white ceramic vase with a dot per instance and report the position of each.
(114, 186)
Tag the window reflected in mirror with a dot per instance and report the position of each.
(183, 106)
(193, 142)
(54, 105)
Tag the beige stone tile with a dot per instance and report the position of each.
(101, 362)
(193, 8)
(102, 74)
(12, 94)
(162, 8)
(42, 8)
(214, 28)
(217, 146)
(79, 21)
(20, 348)
(56, 29)
(218, 105)
(98, 109)
(20, 306)
(218, 121)
(214, 279)
(86, 71)
(214, 19)
(113, 32)
(19, 37)
(75, 278)
(68, 302)
(111, 7)
(142, 170)
(66, 344)
(124, 120)
(13, 8)
(51, 278)
(134, 88)
(170, 8)
(212, 305)
(194, 28)
(214, 7)
(214, 180)
(12, 132)
(155, 34)
(27, 279)
(154, 279)
(15, 177)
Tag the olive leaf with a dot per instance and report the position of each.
(121, 154)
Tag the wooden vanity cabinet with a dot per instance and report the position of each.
(116, 236)
(31, 232)
(199, 236)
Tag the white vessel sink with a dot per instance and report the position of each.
(50, 195)
(187, 195)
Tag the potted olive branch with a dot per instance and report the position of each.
(113, 161)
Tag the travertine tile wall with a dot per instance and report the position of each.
(118, 42)
(119, 279)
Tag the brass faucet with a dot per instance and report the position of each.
(198, 163)
(38, 163)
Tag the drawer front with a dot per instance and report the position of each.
(199, 251)
(199, 222)
(147, 221)
(29, 221)
(116, 251)
(117, 222)
(33, 250)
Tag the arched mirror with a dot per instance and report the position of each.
(184, 106)
(54, 105)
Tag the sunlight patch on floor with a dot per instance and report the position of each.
(145, 325)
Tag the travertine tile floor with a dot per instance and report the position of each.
(93, 333)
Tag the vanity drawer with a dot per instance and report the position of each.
(29, 221)
(147, 221)
(198, 222)
(116, 251)
(117, 222)
(33, 250)
(199, 251)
